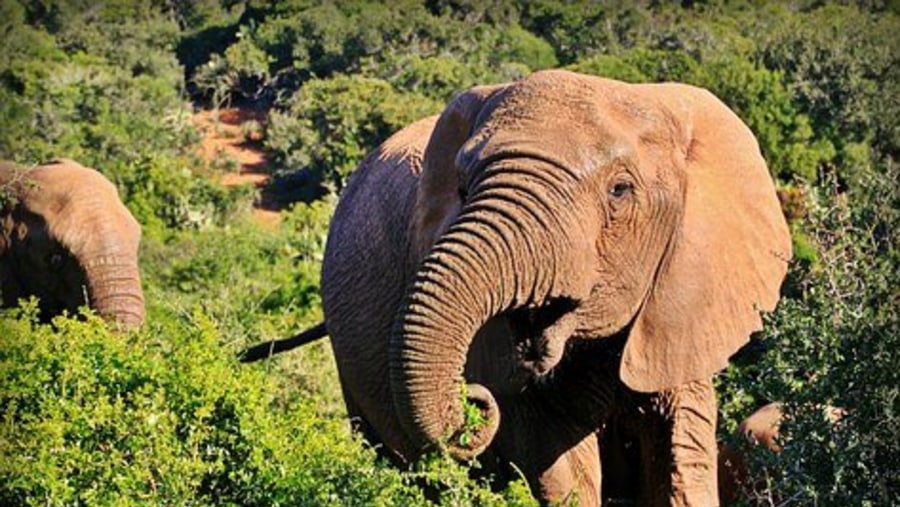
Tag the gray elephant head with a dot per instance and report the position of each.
(69, 240)
(577, 208)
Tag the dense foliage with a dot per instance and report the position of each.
(167, 416)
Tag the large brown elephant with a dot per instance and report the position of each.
(558, 252)
(66, 238)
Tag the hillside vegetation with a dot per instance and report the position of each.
(167, 416)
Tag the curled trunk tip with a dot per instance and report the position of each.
(481, 419)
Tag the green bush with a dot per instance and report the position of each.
(170, 418)
(574, 29)
(302, 42)
(95, 419)
(242, 70)
(89, 109)
(520, 45)
(436, 77)
(164, 195)
(612, 67)
(840, 64)
(245, 275)
(333, 123)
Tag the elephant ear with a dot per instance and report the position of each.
(726, 260)
(437, 199)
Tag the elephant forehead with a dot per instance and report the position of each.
(583, 145)
(71, 181)
(583, 122)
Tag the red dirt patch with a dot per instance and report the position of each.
(224, 144)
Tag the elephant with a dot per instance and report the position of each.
(68, 239)
(759, 428)
(762, 427)
(546, 256)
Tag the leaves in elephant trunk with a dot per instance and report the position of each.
(473, 419)
(481, 417)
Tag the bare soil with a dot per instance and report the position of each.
(224, 144)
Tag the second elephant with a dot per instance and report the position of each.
(66, 238)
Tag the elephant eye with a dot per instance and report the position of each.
(463, 193)
(620, 189)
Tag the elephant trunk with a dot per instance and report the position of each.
(494, 258)
(114, 285)
(108, 253)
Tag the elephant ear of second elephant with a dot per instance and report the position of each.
(727, 260)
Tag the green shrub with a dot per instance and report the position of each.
(166, 416)
(303, 42)
(94, 419)
(574, 29)
(257, 283)
(202, 14)
(436, 77)
(243, 69)
(612, 67)
(164, 194)
(521, 46)
(86, 108)
(332, 124)
(490, 12)
(242, 269)
(840, 64)
(836, 345)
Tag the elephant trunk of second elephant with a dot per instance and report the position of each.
(485, 264)
(115, 288)
(107, 250)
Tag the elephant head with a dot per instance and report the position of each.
(579, 208)
(68, 239)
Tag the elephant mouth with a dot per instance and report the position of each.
(540, 334)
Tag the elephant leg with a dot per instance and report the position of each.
(695, 474)
(373, 418)
(678, 447)
(620, 459)
(360, 425)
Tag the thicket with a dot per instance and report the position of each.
(166, 415)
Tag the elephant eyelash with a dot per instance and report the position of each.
(462, 192)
